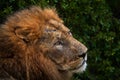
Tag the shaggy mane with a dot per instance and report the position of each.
(15, 56)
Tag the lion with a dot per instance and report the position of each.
(36, 45)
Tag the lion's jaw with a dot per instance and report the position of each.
(81, 67)
(76, 66)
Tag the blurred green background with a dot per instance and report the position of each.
(96, 23)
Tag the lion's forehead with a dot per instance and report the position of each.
(59, 25)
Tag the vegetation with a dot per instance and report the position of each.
(91, 22)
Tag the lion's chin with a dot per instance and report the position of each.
(80, 68)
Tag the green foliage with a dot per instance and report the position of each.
(91, 22)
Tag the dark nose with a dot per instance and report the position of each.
(82, 55)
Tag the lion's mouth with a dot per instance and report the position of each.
(79, 63)
(79, 66)
(74, 65)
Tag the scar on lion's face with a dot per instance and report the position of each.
(35, 44)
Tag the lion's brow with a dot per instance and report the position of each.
(58, 25)
(55, 23)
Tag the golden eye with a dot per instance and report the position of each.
(70, 33)
(59, 43)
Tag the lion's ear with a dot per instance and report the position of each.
(23, 33)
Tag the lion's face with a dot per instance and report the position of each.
(37, 43)
(62, 48)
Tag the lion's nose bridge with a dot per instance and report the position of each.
(82, 47)
(78, 45)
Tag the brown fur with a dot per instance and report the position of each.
(26, 51)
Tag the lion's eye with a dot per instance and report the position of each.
(59, 43)
(70, 33)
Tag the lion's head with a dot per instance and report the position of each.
(35, 44)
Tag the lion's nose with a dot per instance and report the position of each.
(83, 51)
(82, 55)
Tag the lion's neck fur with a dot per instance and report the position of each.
(33, 67)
